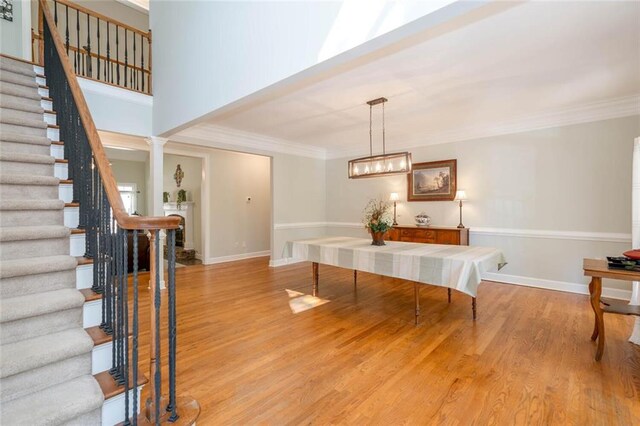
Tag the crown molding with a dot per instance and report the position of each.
(596, 111)
(212, 135)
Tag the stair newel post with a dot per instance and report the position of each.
(152, 408)
(171, 287)
(41, 31)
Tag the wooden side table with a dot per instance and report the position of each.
(597, 269)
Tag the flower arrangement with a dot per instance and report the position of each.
(377, 216)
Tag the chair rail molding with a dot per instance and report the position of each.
(609, 237)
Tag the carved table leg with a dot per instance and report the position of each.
(315, 278)
(449, 294)
(595, 304)
(473, 307)
(416, 295)
(594, 335)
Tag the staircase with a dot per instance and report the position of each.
(46, 354)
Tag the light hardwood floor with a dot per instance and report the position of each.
(360, 360)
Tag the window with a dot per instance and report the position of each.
(128, 192)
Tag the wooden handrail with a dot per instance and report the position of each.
(102, 17)
(100, 157)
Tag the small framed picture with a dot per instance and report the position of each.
(433, 181)
(6, 10)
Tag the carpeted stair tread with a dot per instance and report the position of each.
(42, 350)
(18, 90)
(21, 118)
(22, 233)
(17, 67)
(18, 78)
(30, 180)
(21, 104)
(36, 265)
(31, 205)
(32, 305)
(27, 158)
(28, 139)
(55, 405)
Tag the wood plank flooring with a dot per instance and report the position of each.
(360, 360)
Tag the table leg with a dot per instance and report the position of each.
(416, 295)
(594, 335)
(473, 307)
(314, 266)
(355, 279)
(595, 304)
(449, 294)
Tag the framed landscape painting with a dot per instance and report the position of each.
(433, 181)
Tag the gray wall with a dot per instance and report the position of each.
(132, 172)
(11, 33)
(548, 198)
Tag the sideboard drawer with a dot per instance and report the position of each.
(430, 235)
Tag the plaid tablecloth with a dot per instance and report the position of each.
(457, 267)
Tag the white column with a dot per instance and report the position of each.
(635, 231)
(156, 172)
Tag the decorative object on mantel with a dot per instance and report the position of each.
(433, 181)
(178, 175)
(422, 219)
(165, 197)
(182, 197)
(379, 165)
(394, 197)
(460, 197)
(377, 220)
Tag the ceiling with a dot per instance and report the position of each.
(533, 60)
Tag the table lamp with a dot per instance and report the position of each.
(394, 197)
(460, 196)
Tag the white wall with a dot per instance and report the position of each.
(209, 54)
(548, 198)
(192, 183)
(15, 36)
(132, 172)
(239, 227)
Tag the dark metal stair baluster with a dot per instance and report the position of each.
(98, 57)
(134, 352)
(117, 55)
(126, 57)
(171, 286)
(66, 31)
(134, 78)
(88, 48)
(142, 61)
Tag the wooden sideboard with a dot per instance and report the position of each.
(429, 234)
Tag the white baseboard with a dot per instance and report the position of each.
(234, 257)
(564, 286)
(283, 261)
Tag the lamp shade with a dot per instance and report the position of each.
(461, 195)
(394, 196)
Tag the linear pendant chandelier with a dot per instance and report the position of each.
(379, 165)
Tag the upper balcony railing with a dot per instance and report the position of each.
(99, 47)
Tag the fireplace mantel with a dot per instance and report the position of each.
(186, 211)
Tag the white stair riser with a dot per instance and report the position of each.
(65, 192)
(38, 69)
(41, 81)
(77, 245)
(43, 92)
(57, 151)
(61, 170)
(92, 313)
(50, 118)
(101, 358)
(113, 408)
(53, 134)
(84, 276)
(71, 217)
(48, 105)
